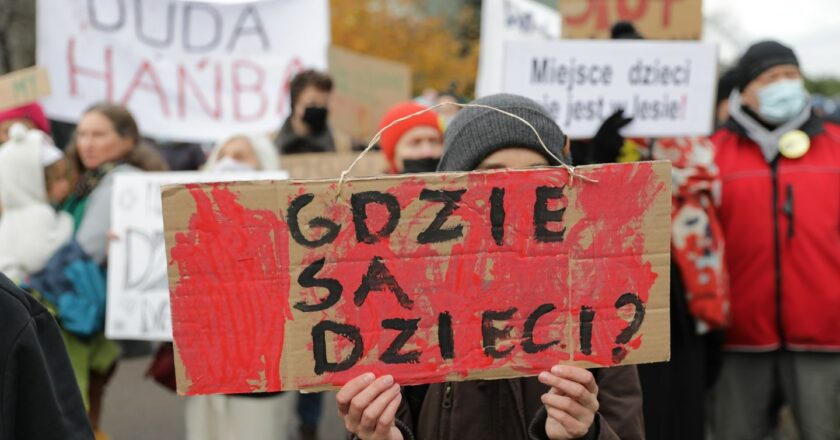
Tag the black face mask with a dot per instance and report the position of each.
(315, 118)
(425, 165)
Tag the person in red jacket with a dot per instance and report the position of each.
(780, 212)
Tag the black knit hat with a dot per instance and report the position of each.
(624, 30)
(476, 132)
(726, 83)
(760, 57)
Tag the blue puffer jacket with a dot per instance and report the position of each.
(76, 285)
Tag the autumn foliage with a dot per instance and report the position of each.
(397, 30)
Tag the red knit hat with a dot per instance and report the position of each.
(32, 112)
(391, 136)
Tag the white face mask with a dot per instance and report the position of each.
(229, 164)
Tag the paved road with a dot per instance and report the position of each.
(139, 409)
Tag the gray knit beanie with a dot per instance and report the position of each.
(476, 133)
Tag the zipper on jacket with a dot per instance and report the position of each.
(777, 249)
(788, 209)
(447, 396)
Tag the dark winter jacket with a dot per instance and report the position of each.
(511, 409)
(39, 398)
(288, 142)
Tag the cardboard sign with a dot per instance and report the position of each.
(23, 86)
(330, 165)
(188, 70)
(509, 20)
(138, 293)
(654, 19)
(365, 87)
(429, 277)
(667, 87)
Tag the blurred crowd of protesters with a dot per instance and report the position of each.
(754, 275)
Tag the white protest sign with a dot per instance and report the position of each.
(668, 87)
(138, 293)
(188, 70)
(509, 20)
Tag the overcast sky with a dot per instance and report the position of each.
(811, 27)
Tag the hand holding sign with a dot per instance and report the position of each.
(572, 402)
(368, 406)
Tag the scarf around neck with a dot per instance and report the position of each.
(767, 139)
(90, 179)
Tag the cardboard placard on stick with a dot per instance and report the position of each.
(365, 87)
(23, 86)
(654, 19)
(429, 277)
(330, 165)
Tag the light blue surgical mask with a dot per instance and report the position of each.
(781, 101)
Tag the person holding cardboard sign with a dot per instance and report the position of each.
(564, 403)
(780, 212)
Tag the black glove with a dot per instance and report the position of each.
(607, 142)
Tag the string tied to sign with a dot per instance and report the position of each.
(573, 172)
